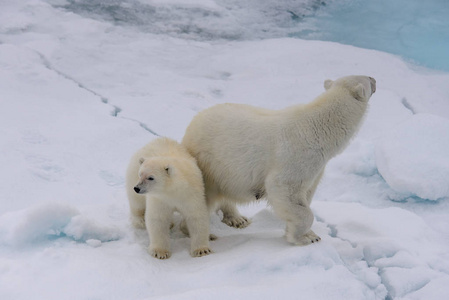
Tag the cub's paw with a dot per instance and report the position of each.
(307, 239)
(236, 222)
(201, 252)
(159, 253)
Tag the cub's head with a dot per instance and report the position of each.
(153, 175)
(361, 87)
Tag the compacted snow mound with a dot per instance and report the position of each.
(48, 221)
(413, 158)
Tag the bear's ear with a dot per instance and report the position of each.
(360, 92)
(169, 170)
(327, 84)
(141, 160)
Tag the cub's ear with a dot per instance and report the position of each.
(169, 170)
(327, 84)
(360, 92)
(141, 160)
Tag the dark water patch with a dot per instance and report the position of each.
(214, 20)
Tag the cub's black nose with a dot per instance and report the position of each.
(136, 189)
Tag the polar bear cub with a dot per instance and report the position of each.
(246, 152)
(162, 178)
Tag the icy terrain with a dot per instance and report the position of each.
(81, 90)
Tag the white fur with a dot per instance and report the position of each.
(167, 179)
(244, 151)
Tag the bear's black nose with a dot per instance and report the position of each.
(136, 189)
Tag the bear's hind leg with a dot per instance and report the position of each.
(299, 220)
(294, 209)
(232, 217)
(292, 236)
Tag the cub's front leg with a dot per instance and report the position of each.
(137, 205)
(157, 220)
(197, 222)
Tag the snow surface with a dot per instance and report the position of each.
(79, 94)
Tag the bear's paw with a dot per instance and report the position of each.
(307, 239)
(159, 253)
(201, 252)
(236, 222)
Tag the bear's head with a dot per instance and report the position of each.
(154, 174)
(360, 87)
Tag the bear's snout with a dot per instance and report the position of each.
(373, 85)
(137, 189)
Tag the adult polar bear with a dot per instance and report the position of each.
(245, 152)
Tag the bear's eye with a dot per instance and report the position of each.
(151, 178)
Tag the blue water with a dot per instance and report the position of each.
(416, 30)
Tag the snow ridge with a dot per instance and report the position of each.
(407, 105)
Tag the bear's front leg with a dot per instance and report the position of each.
(199, 236)
(138, 221)
(185, 230)
(157, 220)
(197, 223)
(137, 205)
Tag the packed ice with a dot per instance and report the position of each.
(84, 84)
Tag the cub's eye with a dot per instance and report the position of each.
(151, 178)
